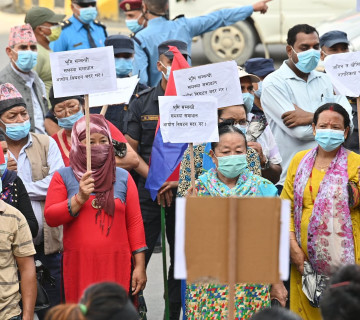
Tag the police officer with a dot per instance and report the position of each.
(124, 57)
(134, 17)
(81, 31)
(143, 118)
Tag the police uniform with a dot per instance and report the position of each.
(74, 35)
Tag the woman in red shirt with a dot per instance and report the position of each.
(100, 212)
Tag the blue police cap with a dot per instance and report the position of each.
(163, 48)
(331, 38)
(121, 43)
(259, 66)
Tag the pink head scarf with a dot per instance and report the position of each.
(102, 162)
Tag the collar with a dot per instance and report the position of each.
(157, 20)
(27, 77)
(158, 91)
(289, 74)
(27, 145)
(78, 24)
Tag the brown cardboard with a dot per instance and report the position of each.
(257, 245)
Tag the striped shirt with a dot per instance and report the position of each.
(15, 241)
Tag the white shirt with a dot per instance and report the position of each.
(281, 90)
(37, 190)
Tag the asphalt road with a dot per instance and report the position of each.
(154, 291)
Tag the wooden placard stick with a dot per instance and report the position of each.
(192, 167)
(104, 109)
(232, 255)
(87, 122)
(358, 113)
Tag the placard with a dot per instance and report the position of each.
(125, 89)
(188, 119)
(220, 80)
(344, 72)
(83, 71)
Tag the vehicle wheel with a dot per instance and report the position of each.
(235, 42)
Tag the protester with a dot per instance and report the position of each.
(46, 26)
(67, 111)
(124, 57)
(341, 301)
(101, 301)
(259, 135)
(260, 67)
(22, 51)
(100, 211)
(334, 42)
(134, 18)
(81, 30)
(230, 178)
(291, 94)
(323, 187)
(160, 29)
(143, 119)
(16, 256)
(35, 157)
(14, 192)
(275, 313)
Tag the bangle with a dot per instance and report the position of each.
(74, 215)
(77, 200)
(267, 164)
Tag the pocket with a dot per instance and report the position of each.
(148, 134)
(44, 171)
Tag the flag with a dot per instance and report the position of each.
(2, 157)
(165, 157)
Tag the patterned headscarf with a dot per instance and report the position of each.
(21, 34)
(102, 164)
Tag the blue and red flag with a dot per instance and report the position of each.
(166, 157)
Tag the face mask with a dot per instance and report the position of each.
(4, 165)
(168, 70)
(123, 66)
(308, 60)
(88, 14)
(329, 139)
(17, 131)
(248, 101)
(68, 122)
(55, 32)
(231, 166)
(258, 91)
(26, 60)
(133, 25)
(243, 129)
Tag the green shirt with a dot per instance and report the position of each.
(43, 68)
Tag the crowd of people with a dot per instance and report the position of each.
(93, 232)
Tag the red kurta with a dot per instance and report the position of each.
(89, 255)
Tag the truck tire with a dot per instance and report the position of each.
(235, 42)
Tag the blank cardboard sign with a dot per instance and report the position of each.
(253, 222)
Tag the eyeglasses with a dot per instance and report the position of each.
(233, 122)
(86, 5)
(249, 88)
(63, 111)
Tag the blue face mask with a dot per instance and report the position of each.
(133, 25)
(329, 139)
(68, 122)
(243, 129)
(168, 71)
(308, 60)
(3, 166)
(248, 101)
(17, 131)
(123, 66)
(232, 166)
(258, 91)
(88, 14)
(26, 60)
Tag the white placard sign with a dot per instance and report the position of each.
(125, 89)
(188, 119)
(344, 72)
(83, 71)
(220, 80)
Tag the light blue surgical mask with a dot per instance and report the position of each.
(308, 60)
(168, 71)
(259, 90)
(123, 66)
(248, 101)
(88, 14)
(232, 166)
(17, 131)
(3, 166)
(68, 122)
(133, 25)
(242, 128)
(26, 60)
(329, 139)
